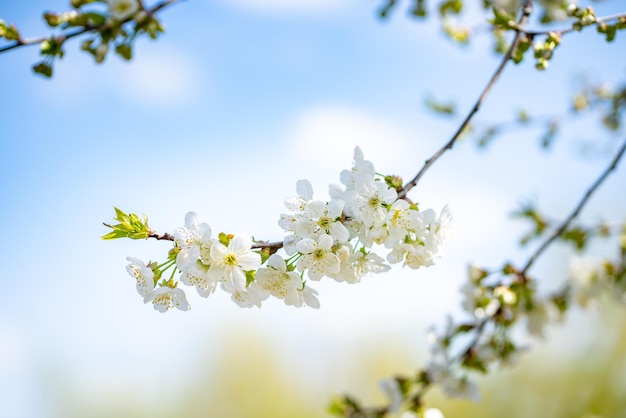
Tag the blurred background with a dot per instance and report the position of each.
(221, 115)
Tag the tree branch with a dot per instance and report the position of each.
(526, 11)
(86, 29)
(272, 246)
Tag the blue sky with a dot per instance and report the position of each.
(222, 115)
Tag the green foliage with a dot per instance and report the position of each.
(43, 68)
(442, 108)
(10, 33)
(502, 19)
(450, 7)
(224, 238)
(577, 236)
(106, 32)
(130, 226)
(539, 223)
(419, 9)
(459, 34)
(395, 182)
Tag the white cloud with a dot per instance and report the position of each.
(155, 76)
(160, 77)
(322, 140)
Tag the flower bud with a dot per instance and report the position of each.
(101, 52)
(141, 16)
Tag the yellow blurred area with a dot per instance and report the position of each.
(578, 371)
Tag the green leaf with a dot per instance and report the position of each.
(465, 328)
(96, 19)
(440, 107)
(52, 19)
(224, 239)
(384, 11)
(125, 51)
(502, 19)
(129, 226)
(577, 236)
(43, 68)
(419, 10)
(250, 275)
(265, 254)
(450, 7)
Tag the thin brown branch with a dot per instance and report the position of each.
(565, 224)
(166, 236)
(86, 29)
(526, 11)
(603, 19)
(272, 246)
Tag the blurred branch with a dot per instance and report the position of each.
(619, 17)
(557, 232)
(86, 29)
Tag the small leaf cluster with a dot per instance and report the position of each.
(587, 17)
(130, 226)
(584, 16)
(578, 236)
(545, 50)
(89, 17)
(611, 101)
(10, 32)
(610, 30)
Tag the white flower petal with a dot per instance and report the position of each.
(304, 189)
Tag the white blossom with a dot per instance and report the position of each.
(193, 241)
(306, 296)
(358, 264)
(165, 298)
(439, 230)
(230, 263)
(249, 297)
(367, 202)
(142, 274)
(586, 286)
(433, 413)
(278, 281)
(401, 220)
(123, 9)
(322, 218)
(289, 221)
(197, 275)
(413, 254)
(362, 170)
(454, 386)
(317, 257)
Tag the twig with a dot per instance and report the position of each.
(598, 20)
(166, 236)
(63, 37)
(272, 246)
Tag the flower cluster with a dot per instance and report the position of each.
(332, 239)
